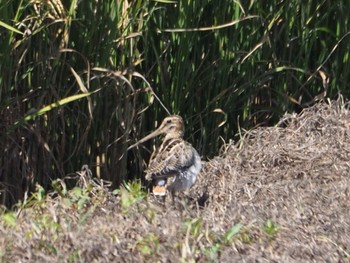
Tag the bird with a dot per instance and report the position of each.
(175, 164)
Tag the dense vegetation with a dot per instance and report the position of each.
(79, 80)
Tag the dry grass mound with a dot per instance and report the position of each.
(295, 175)
(281, 194)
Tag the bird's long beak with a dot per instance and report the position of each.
(157, 132)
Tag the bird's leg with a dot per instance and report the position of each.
(178, 204)
(172, 197)
(162, 200)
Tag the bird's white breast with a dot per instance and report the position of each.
(195, 167)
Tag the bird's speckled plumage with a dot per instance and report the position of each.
(175, 159)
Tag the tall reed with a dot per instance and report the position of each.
(80, 80)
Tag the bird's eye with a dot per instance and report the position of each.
(168, 121)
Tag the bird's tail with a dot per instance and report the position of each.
(159, 187)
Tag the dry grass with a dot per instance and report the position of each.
(281, 194)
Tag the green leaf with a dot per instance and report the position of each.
(9, 218)
(232, 232)
(54, 105)
(11, 28)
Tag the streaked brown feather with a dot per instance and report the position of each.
(173, 156)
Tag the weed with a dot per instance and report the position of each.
(9, 218)
(271, 228)
(232, 232)
(194, 226)
(131, 193)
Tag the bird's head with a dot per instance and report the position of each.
(171, 127)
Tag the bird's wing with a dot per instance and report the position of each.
(172, 157)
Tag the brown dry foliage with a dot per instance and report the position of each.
(294, 175)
